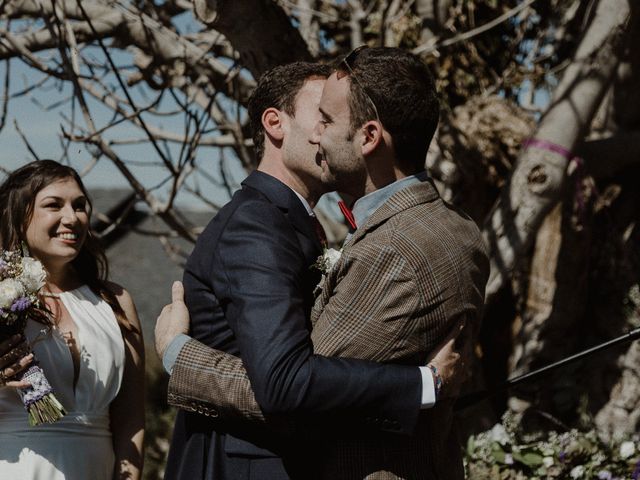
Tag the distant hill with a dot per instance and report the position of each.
(137, 259)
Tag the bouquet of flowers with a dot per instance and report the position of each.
(20, 279)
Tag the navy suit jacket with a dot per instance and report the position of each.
(249, 289)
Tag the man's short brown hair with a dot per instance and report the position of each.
(278, 88)
(403, 91)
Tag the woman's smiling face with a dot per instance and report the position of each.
(59, 223)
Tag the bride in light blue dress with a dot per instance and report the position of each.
(92, 350)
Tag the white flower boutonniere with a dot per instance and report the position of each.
(327, 260)
(325, 264)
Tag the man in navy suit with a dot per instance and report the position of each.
(249, 291)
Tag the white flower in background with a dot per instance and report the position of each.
(33, 274)
(598, 458)
(547, 461)
(508, 459)
(577, 472)
(627, 449)
(499, 434)
(10, 290)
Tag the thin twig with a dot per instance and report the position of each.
(5, 96)
(26, 142)
(26, 56)
(428, 48)
(124, 88)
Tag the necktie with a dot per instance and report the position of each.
(320, 233)
(348, 215)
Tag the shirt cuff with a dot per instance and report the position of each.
(428, 389)
(173, 350)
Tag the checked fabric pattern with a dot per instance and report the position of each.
(403, 280)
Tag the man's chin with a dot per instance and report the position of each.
(328, 183)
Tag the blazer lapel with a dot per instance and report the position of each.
(408, 197)
(285, 199)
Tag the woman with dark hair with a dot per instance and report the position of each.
(90, 346)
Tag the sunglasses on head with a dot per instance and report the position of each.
(348, 62)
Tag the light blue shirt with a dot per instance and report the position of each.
(367, 205)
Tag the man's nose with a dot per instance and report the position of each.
(316, 133)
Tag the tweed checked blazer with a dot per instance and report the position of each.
(249, 290)
(403, 280)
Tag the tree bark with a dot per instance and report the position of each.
(259, 30)
(537, 180)
(309, 26)
(555, 304)
(621, 414)
(433, 14)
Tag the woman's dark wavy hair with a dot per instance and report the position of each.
(17, 199)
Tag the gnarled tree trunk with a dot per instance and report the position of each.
(537, 180)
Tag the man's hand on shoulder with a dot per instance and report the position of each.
(173, 319)
(452, 360)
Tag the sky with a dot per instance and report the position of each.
(42, 113)
(42, 127)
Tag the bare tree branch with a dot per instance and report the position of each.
(429, 47)
(142, 31)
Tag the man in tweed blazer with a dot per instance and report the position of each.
(249, 291)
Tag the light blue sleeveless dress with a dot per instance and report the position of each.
(79, 446)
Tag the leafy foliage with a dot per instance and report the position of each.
(504, 453)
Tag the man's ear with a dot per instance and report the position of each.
(272, 123)
(372, 137)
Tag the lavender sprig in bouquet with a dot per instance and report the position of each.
(21, 277)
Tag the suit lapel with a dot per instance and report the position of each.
(286, 200)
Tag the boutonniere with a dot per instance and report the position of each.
(327, 260)
(325, 264)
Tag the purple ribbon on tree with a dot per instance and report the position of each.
(549, 146)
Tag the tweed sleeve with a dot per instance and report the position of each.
(202, 374)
